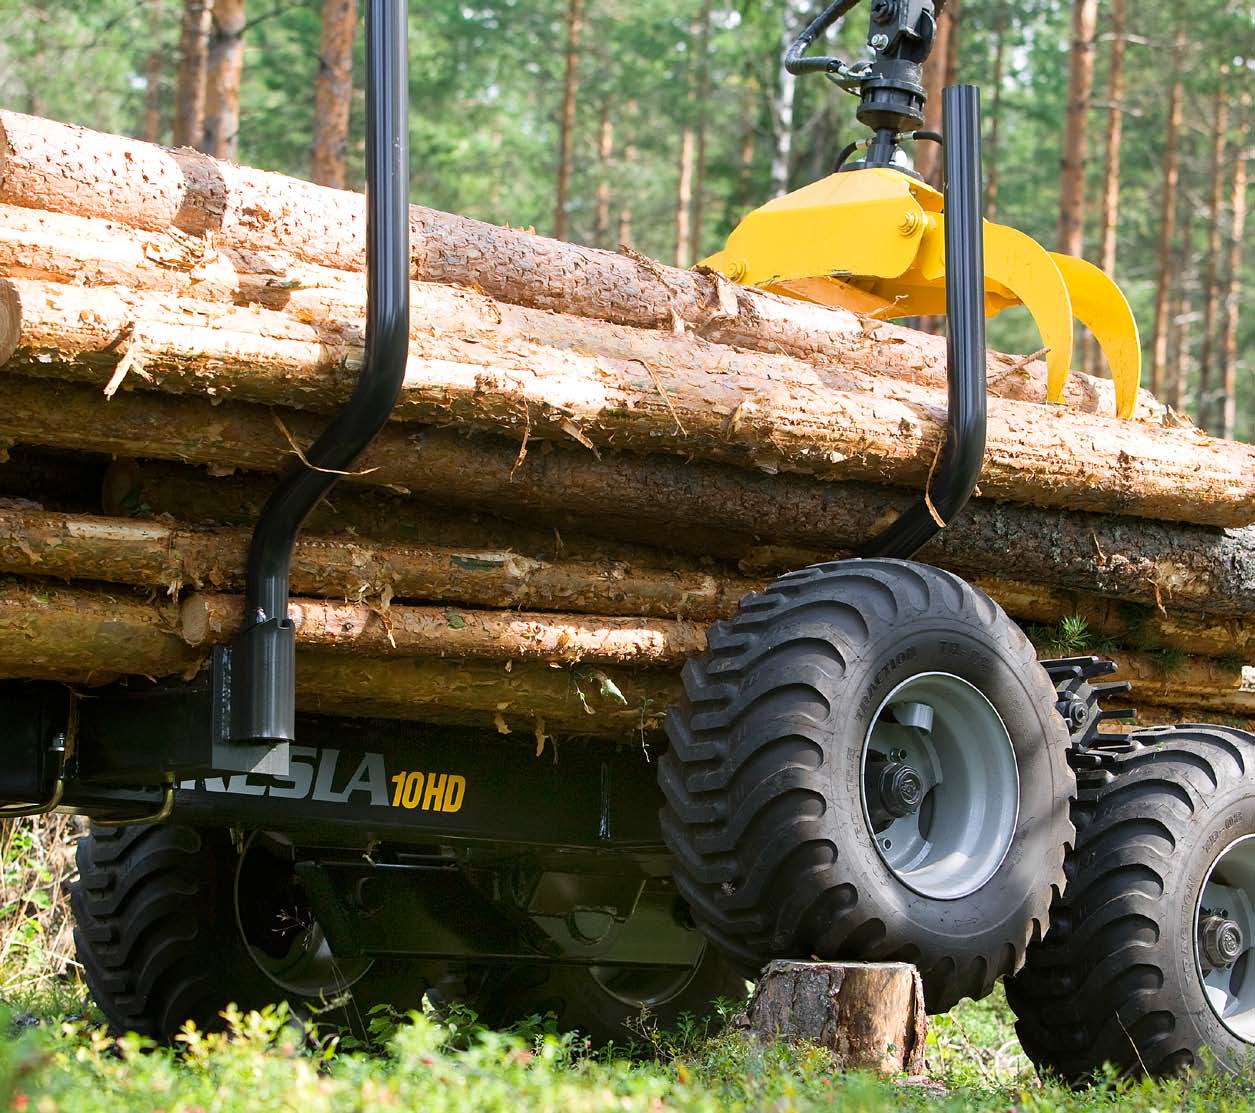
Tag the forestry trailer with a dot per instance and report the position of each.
(869, 761)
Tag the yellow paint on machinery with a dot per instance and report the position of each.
(873, 240)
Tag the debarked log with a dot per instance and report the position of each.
(45, 165)
(643, 391)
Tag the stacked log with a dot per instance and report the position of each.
(594, 456)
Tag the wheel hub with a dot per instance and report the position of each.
(941, 787)
(1220, 941)
(1224, 928)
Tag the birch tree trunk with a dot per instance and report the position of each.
(1167, 218)
(333, 93)
(795, 16)
(566, 119)
(189, 107)
(1215, 257)
(222, 88)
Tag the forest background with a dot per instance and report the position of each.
(1120, 131)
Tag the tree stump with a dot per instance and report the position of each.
(870, 1015)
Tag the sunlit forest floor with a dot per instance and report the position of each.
(56, 1057)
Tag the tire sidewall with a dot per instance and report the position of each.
(1217, 822)
(1023, 698)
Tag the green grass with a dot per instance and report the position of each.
(54, 1058)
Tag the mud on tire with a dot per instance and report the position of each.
(763, 778)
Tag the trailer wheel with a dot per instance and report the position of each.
(616, 1005)
(1148, 964)
(868, 764)
(159, 927)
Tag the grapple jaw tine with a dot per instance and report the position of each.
(1030, 274)
(1100, 305)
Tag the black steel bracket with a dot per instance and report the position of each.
(254, 679)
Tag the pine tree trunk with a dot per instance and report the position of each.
(566, 121)
(684, 199)
(1076, 133)
(1229, 339)
(189, 106)
(1167, 218)
(154, 69)
(1215, 258)
(333, 93)
(225, 70)
(605, 152)
(928, 157)
(993, 143)
(1109, 210)
(699, 154)
(1182, 314)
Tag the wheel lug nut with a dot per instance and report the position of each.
(1220, 941)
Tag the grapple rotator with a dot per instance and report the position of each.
(870, 237)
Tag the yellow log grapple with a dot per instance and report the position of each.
(870, 237)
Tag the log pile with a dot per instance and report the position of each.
(594, 456)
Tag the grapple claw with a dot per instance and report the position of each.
(1100, 305)
(872, 240)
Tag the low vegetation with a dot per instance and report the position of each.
(55, 1055)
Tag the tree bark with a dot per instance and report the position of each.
(938, 68)
(1076, 130)
(795, 14)
(699, 155)
(993, 143)
(189, 106)
(867, 1015)
(1181, 330)
(1233, 296)
(1215, 251)
(461, 632)
(147, 553)
(88, 252)
(1167, 218)
(684, 200)
(1108, 234)
(1143, 560)
(222, 83)
(154, 69)
(333, 94)
(62, 169)
(605, 152)
(769, 413)
(85, 636)
(566, 119)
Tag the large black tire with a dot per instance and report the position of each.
(762, 780)
(606, 1012)
(1115, 979)
(154, 928)
(156, 933)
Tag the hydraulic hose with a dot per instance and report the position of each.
(957, 471)
(262, 684)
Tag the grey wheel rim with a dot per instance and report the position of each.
(1224, 930)
(296, 955)
(940, 786)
